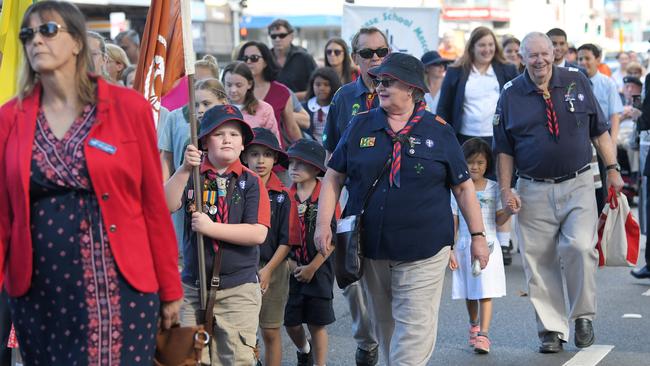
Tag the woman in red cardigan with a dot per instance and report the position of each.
(87, 246)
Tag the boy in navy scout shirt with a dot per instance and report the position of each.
(261, 156)
(234, 220)
(310, 288)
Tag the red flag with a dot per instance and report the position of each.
(161, 61)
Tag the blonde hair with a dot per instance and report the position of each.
(117, 54)
(75, 25)
(210, 63)
(632, 67)
(214, 86)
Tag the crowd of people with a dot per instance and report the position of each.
(97, 207)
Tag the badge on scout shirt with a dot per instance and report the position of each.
(280, 198)
(221, 186)
(367, 142)
(355, 108)
(301, 209)
(581, 97)
(418, 168)
(429, 143)
(242, 184)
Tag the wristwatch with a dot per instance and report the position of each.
(616, 167)
(479, 233)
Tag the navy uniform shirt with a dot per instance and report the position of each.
(350, 99)
(322, 283)
(414, 221)
(248, 204)
(520, 127)
(283, 219)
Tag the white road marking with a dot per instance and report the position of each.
(647, 293)
(632, 316)
(589, 356)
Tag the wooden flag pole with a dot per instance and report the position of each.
(188, 51)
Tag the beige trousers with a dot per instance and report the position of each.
(556, 231)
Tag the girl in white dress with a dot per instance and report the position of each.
(479, 290)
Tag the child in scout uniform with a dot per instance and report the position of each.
(261, 156)
(312, 279)
(234, 220)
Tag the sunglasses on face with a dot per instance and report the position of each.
(279, 35)
(367, 52)
(334, 52)
(252, 58)
(386, 83)
(49, 30)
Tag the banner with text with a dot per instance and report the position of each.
(409, 30)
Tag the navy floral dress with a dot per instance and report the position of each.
(79, 309)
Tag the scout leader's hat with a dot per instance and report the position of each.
(220, 114)
(310, 152)
(433, 58)
(267, 139)
(403, 67)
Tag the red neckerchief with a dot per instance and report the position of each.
(551, 118)
(301, 252)
(397, 143)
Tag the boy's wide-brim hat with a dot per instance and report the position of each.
(403, 67)
(220, 114)
(310, 152)
(267, 139)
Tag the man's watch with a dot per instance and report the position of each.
(479, 233)
(616, 167)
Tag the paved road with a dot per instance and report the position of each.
(513, 331)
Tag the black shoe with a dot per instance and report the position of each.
(507, 256)
(367, 358)
(584, 333)
(551, 343)
(643, 272)
(305, 359)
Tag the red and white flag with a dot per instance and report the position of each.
(161, 61)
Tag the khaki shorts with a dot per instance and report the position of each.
(275, 297)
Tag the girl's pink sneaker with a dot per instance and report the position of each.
(482, 345)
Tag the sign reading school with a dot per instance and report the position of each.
(409, 30)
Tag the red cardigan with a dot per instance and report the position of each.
(127, 183)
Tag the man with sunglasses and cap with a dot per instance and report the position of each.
(297, 65)
(369, 47)
(407, 224)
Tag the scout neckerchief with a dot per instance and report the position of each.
(217, 189)
(551, 118)
(398, 138)
(305, 211)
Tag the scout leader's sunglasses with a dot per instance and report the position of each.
(279, 35)
(386, 83)
(49, 30)
(367, 52)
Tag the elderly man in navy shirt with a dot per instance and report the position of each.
(545, 122)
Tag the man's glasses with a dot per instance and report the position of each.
(367, 52)
(252, 58)
(279, 35)
(386, 83)
(49, 30)
(334, 52)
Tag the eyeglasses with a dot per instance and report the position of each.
(252, 58)
(367, 52)
(335, 52)
(279, 35)
(386, 83)
(49, 30)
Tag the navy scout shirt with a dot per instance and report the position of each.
(414, 221)
(248, 204)
(284, 217)
(349, 100)
(322, 283)
(520, 124)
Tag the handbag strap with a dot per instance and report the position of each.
(374, 184)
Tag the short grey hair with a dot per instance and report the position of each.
(523, 50)
(100, 38)
(130, 34)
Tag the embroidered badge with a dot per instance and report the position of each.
(495, 120)
(440, 120)
(236, 198)
(280, 198)
(367, 142)
(355, 108)
(418, 168)
(242, 184)
(429, 143)
(581, 97)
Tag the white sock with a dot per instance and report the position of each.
(305, 349)
(504, 238)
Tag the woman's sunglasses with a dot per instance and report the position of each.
(367, 52)
(335, 52)
(252, 58)
(386, 83)
(49, 30)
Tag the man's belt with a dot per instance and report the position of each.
(558, 179)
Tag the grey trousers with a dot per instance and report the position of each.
(556, 231)
(403, 303)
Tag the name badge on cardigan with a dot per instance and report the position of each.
(101, 145)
